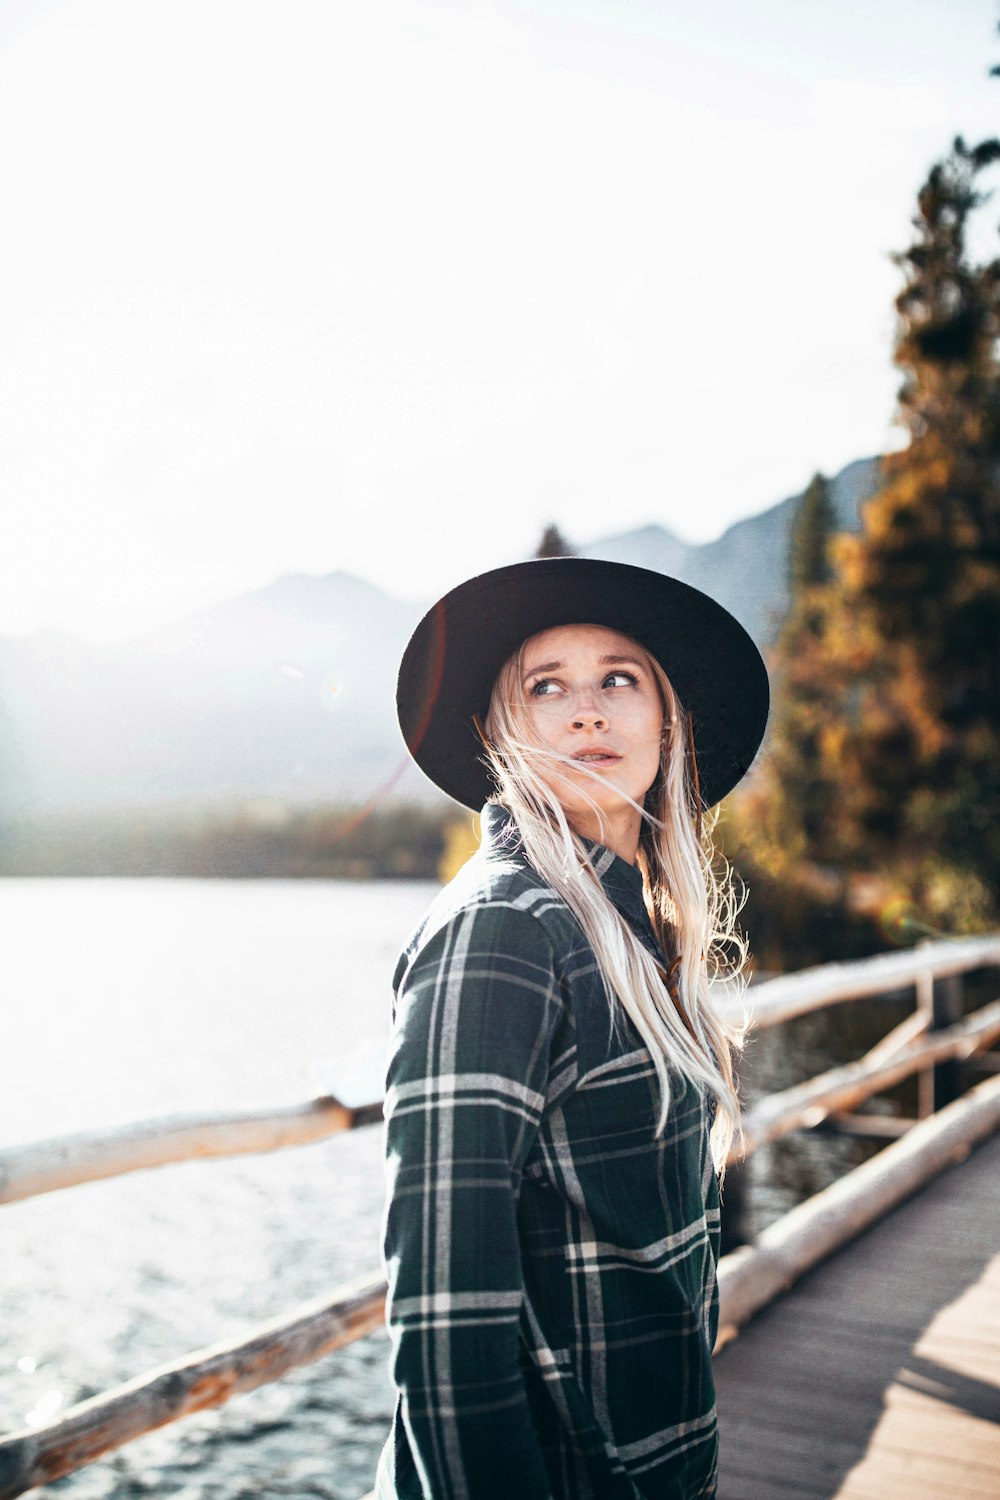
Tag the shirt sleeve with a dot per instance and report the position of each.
(476, 1014)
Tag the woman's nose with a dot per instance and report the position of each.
(587, 714)
(592, 720)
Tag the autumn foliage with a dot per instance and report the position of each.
(881, 787)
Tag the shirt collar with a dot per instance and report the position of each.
(621, 881)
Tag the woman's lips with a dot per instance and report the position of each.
(597, 757)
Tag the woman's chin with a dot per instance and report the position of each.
(605, 797)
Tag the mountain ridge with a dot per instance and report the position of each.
(265, 695)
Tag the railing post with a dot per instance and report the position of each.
(948, 1005)
(925, 1078)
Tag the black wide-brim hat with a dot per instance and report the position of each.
(453, 657)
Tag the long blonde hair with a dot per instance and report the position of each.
(689, 894)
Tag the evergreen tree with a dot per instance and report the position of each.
(882, 776)
(782, 829)
(920, 621)
(554, 544)
(788, 806)
(809, 538)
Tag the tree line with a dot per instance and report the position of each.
(401, 842)
(875, 812)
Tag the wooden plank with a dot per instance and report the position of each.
(807, 1104)
(753, 1487)
(913, 1026)
(791, 1405)
(207, 1378)
(889, 1488)
(877, 1127)
(753, 1276)
(887, 1485)
(847, 1410)
(812, 1332)
(971, 1443)
(44, 1166)
(925, 1476)
(771, 1451)
(901, 1285)
(977, 1358)
(956, 1248)
(830, 1381)
(790, 995)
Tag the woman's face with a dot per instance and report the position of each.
(591, 695)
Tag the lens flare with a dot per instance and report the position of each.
(901, 924)
(331, 692)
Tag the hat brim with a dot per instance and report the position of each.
(452, 659)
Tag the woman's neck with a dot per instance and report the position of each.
(617, 832)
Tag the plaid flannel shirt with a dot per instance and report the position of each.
(551, 1264)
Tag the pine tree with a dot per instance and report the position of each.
(809, 538)
(554, 544)
(789, 805)
(782, 829)
(917, 639)
(882, 777)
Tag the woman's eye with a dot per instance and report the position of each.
(550, 687)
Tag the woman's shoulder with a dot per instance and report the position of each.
(496, 878)
(504, 901)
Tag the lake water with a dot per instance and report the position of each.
(128, 999)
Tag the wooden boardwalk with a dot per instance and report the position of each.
(877, 1377)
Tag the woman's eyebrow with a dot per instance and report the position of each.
(546, 666)
(609, 661)
(604, 661)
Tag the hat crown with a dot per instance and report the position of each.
(452, 659)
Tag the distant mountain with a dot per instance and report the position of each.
(745, 568)
(287, 692)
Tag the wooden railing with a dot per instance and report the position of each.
(930, 1042)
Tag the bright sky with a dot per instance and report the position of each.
(386, 285)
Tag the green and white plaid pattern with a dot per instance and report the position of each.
(551, 1264)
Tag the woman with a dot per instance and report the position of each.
(560, 1094)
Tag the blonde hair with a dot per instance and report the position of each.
(692, 904)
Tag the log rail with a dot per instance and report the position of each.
(934, 1038)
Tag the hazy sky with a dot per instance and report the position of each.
(385, 285)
